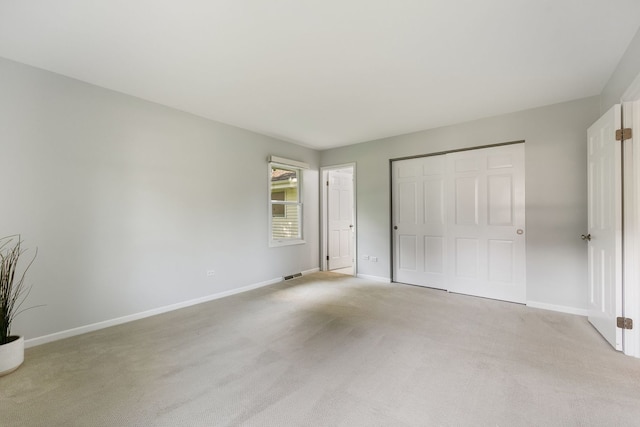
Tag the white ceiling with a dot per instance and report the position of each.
(326, 73)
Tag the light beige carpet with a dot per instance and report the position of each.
(331, 350)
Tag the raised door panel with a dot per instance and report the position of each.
(408, 256)
(501, 260)
(467, 258)
(334, 204)
(466, 200)
(434, 254)
(434, 208)
(500, 200)
(346, 210)
(407, 203)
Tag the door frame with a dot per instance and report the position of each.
(630, 101)
(438, 153)
(324, 215)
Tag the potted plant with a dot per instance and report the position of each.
(13, 292)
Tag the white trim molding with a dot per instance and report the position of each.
(137, 316)
(287, 162)
(374, 278)
(631, 295)
(559, 308)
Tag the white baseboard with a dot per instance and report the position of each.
(120, 320)
(313, 270)
(560, 308)
(374, 278)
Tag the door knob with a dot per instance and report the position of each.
(395, 228)
(587, 237)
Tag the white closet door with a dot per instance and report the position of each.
(485, 231)
(419, 222)
(459, 222)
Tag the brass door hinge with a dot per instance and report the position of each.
(622, 134)
(624, 323)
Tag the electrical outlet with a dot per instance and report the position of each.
(365, 257)
(374, 259)
(211, 273)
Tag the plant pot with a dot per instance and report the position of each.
(11, 355)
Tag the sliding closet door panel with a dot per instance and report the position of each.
(419, 221)
(486, 237)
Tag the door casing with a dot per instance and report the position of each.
(631, 270)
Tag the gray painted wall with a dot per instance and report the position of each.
(556, 191)
(130, 202)
(626, 71)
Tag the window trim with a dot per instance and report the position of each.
(286, 241)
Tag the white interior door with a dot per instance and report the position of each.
(340, 223)
(419, 218)
(605, 226)
(485, 231)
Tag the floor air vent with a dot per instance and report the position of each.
(293, 276)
